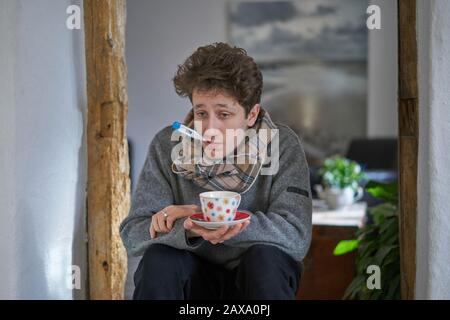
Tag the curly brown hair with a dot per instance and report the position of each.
(221, 67)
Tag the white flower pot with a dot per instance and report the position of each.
(337, 198)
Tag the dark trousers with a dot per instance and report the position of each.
(264, 272)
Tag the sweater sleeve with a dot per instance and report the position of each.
(153, 193)
(287, 222)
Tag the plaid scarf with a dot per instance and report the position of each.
(225, 175)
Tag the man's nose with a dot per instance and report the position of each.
(211, 128)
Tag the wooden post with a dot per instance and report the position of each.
(408, 143)
(108, 193)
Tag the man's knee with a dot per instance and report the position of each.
(160, 274)
(266, 272)
(161, 262)
(266, 257)
(162, 256)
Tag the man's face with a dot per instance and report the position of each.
(215, 112)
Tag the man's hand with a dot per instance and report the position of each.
(218, 235)
(163, 220)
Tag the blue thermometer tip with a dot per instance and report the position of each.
(176, 125)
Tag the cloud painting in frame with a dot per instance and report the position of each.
(313, 55)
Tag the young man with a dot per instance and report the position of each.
(256, 259)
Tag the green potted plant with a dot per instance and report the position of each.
(378, 245)
(340, 182)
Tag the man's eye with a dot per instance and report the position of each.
(224, 115)
(200, 114)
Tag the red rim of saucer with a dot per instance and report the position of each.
(239, 216)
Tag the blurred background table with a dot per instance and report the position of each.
(326, 276)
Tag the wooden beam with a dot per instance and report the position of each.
(408, 143)
(108, 193)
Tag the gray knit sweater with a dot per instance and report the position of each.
(280, 205)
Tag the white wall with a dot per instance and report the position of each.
(433, 223)
(43, 150)
(7, 148)
(160, 35)
(382, 120)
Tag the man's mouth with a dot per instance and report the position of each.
(212, 146)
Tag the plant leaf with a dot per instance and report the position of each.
(383, 191)
(382, 253)
(394, 289)
(382, 212)
(355, 287)
(378, 245)
(345, 246)
(389, 224)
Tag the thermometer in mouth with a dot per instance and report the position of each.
(187, 131)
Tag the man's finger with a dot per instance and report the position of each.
(177, 214)
(218, 233)
(152, 231)
(170, 220)
(204, 233)
(172, 217)
(207, 234)
(162, 224)
(232, 232)
(195, 208)
(155, 224)
(189, 225)
(246, 224)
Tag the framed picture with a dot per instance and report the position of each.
(313, 56)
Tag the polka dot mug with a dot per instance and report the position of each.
(219, 206)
